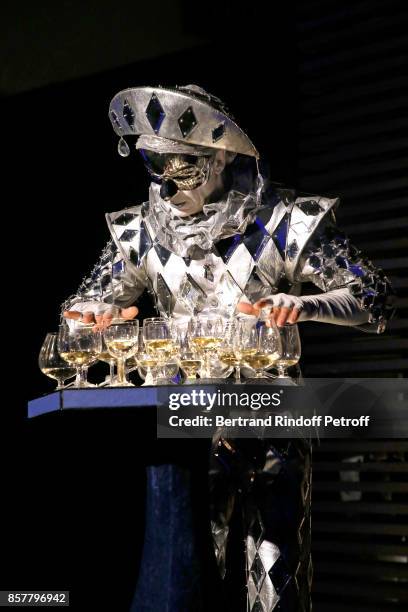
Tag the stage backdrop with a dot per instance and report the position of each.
(319, 86)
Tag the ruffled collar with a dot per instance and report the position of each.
(192, 237)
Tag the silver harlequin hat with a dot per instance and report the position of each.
(183, 114)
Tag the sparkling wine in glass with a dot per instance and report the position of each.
(80, 348)
(206, 333)
(121, 339)
(190, 360)
(147, 363)
(107, 357)
(158, 340)
(291, 349)
(51, 363)
(230, 349)
(262, 347)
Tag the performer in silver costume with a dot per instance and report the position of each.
(215, 237)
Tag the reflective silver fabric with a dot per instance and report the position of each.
(269, 481)
(195, 235)
(164, 145)
(242, 252)
(179, 114)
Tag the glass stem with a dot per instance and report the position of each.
(238, 373)
(281, 371)
(149, 376)
(60, 385)
(207, 364)
(111, 371)
(121, 370)
(161, 369)
(80, 379)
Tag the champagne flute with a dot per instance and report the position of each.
(121, 340)
(291, 349)
(262, 347)
(52, 364)
(206, 336)
(79, 347)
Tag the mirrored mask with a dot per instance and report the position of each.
(187, 171)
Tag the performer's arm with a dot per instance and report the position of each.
(109, 291)
(355, 291)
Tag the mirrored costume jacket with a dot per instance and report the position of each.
(292, 240)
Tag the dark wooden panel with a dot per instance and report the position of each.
(357, 507)
(358, 466)
(353, 143)
(369, 548)
(364, 446)
(363, 591)
(378, 487)
(373, 571)
(334, 527)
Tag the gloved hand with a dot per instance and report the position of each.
(99, 313)
(338, 307)
(284, 308)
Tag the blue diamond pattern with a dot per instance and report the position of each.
(265, 213)
(128, 114)
(257, 572)
(187, 122)
(128, 235)
(155, 113)
(280, 235)
(293, 249)
(279, 575)
(133, 256)
(315, 261)
(329, 272)
(162, 253)
(145, 241)
(328, 250)
(257, 607)
(124, 219)
(115, 119)
(227, 247)
(118, 268)
(310, 208)
(105, 281)
(257, 531)
(218, 132)
(255, 238)
(357, 270)
(95, 273)
(164, 294)
(341, 261)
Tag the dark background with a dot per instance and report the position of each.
(321, 89)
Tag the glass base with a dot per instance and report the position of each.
(189, 381)
(164, 381)
(83, 385)
(259, 379)
(116, 383)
